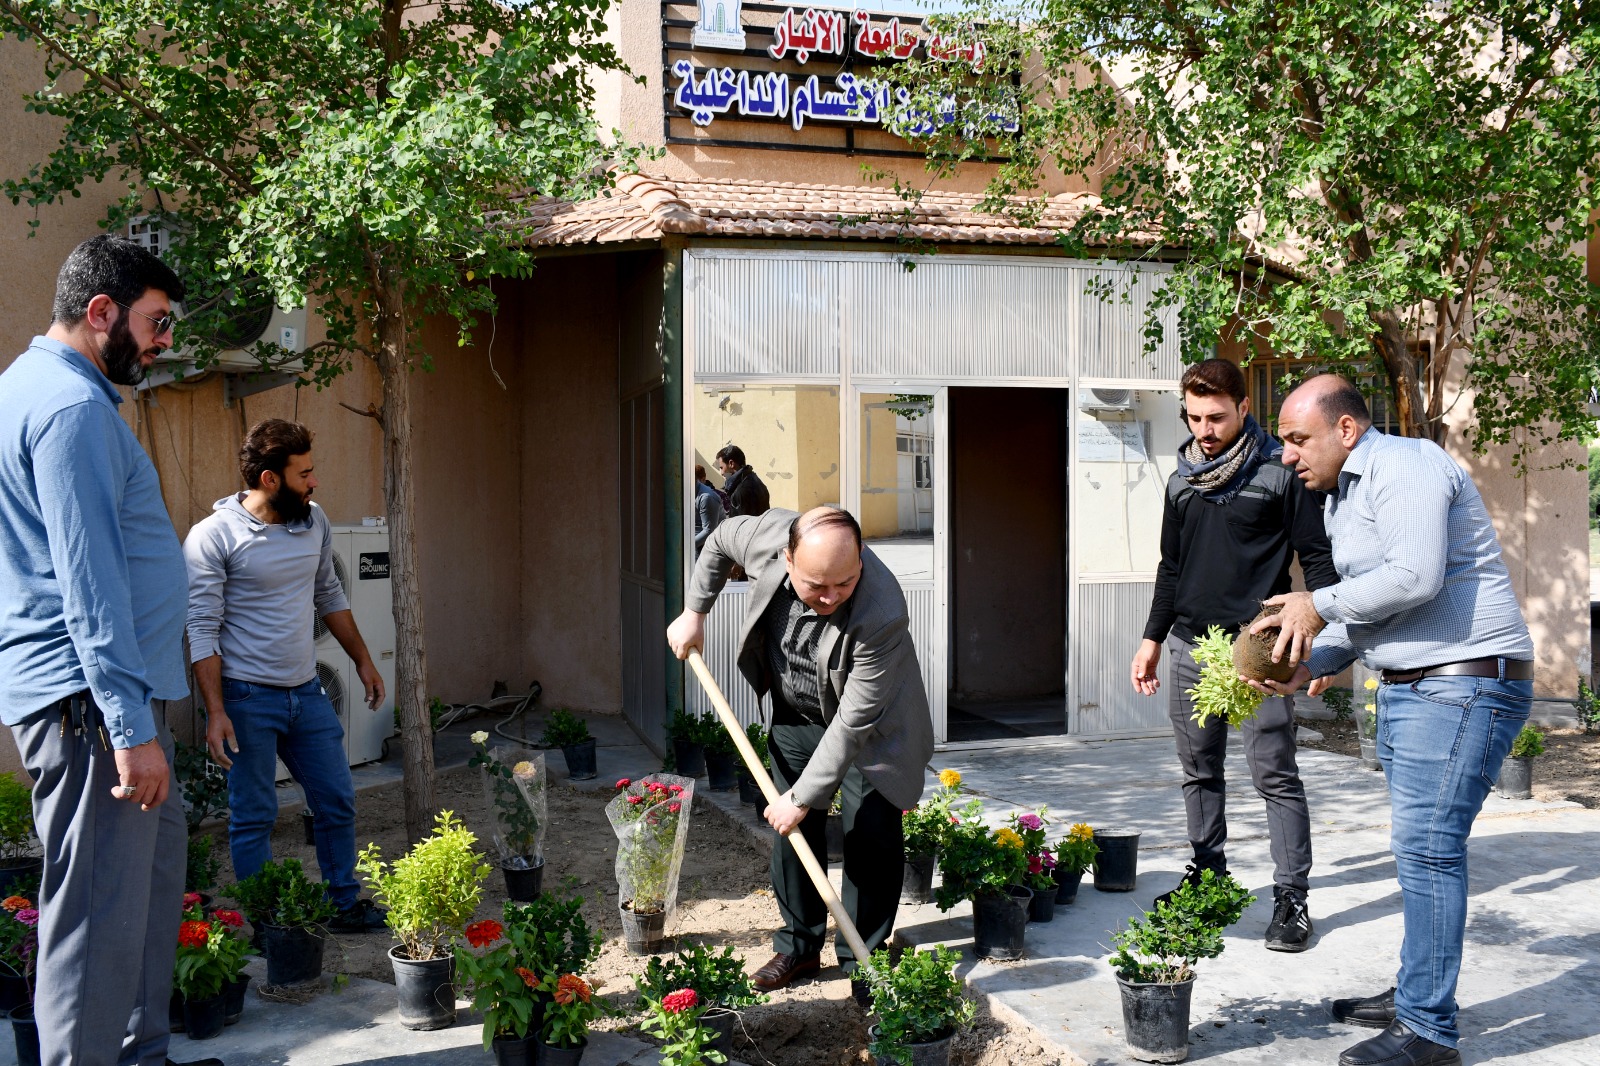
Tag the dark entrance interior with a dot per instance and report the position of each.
(1008, 562)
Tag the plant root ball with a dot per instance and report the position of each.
(1252, 655)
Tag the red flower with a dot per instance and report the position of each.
(484, 933)
(676, 790)
(674, 808)
(624, 783)
(194, 934)
(191, 899)
(681, 1000)
(527, 976)
(1035, 865)
(954, 820)
(636, 800)
(571, 987)
(231, 919)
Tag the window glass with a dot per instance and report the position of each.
(1127, 447)
(897, 448)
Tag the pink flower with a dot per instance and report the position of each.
(676, 790)
(635, 800)
(673, 808)
(27, 916)
(1034, 865)
(1030, 821)
(681, 1000)
(191, 899)
(624, 783)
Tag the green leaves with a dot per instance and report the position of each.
(917, 999)
(16, 817)
(1164, 945)
(281, 894)
(431, 891)
(1220, 693)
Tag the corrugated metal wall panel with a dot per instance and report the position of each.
(762, 316)
(922, 604)
(1111, 332)
(722, 656)
(1105, 634)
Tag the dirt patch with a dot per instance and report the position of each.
(1569, 769)
(725, 897)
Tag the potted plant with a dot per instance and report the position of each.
(719, 982)
(290, 911)
(1155, 958)
(920, 1004)
(749, 791)
(572, 1008)
(1075, 854)
(201, 865)
(651, 819)
(570, 733)
(1516, 771)
(211, 956)
(722, 758)
(988, 867)
(431, 893)
(1041, 864)
(924, 827)
(503, 966)
(17, 861)
(1367, 730)
(19, 950)
(687, 734)
(202, 784)
(678, 1019)
(514, 782)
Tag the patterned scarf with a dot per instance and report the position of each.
(1220, 479)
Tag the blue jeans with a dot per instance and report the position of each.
(299, 726)
(1441, 741)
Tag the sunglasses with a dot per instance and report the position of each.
(163, 324)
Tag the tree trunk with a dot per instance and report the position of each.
(1404, 385)
(399, 497)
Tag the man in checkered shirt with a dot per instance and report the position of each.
(1424, 597)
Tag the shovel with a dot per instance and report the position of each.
(808, 859)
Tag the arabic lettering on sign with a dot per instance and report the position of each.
(722, 89)
(815, 31)
(889, 41)
(953, 49)
(855, 100)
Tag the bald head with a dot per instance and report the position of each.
(1321, 422)
(824, 558)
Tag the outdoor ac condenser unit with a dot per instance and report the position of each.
(1106, 400)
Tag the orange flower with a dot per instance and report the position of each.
(484, 933)
(194, 934)
(528, 978)
(571, 987)
(15, 903)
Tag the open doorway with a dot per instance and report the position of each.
(1008, 562)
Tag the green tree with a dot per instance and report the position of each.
(359, 154)
(1425, 167)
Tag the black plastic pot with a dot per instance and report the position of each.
(749, 791)
(688, 758)
(236, 991)
(523, 883)
(1155, 1019)
(1516, 779)
(515, 1051)
(294, 954)
(836, 838)
(924, 1053)
(1116, 867)
(25, 1031)
(722, 770)
(999, 923)
(721, 1020)
(308, 824)
(14, 872)
(580, 760)
(13, 991)
(204, 1018)
(427, 990)
(560, 1056)
(1042, 907)
(916, 881)
(175, 1012)
(1067, 882)
(643, 933)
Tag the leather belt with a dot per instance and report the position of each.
(1507, 669)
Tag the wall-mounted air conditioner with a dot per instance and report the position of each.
(1106, 400)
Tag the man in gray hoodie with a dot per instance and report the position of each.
(260, 572)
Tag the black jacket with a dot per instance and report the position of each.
(747, 494)
(1220, 560)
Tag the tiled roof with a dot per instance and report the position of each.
(642, 208)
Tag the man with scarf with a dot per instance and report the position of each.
(1234, 518)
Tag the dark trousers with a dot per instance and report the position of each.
(873, 853)
(1269, 749)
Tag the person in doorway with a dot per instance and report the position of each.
(91, 637)
(1234, 519)
(260, 568)
(747, 493)
(827, 640)
(708, 511)
(1423, 597)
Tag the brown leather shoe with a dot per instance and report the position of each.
(782, 969)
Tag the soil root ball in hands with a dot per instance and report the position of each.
(1252, 655)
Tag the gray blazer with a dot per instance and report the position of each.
(873, 702)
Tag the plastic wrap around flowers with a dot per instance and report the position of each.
(651, 819)
(514, 782)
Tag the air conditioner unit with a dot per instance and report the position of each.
(1106, 400)
(361, 559)
(260, 321)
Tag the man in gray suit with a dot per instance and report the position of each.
(826, 637)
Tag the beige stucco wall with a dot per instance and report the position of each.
(789, 435)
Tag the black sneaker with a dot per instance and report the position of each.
(1191, 876)
(362, 916)
(1290, 929)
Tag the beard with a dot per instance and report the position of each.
(289, 505)
(121, 355)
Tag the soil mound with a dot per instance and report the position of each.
(1252, 655)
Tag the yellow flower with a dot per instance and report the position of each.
(523, 769)
(1370, 684)
(1008, 836)
(949, 778)
(1081, 831)
(1372, 706)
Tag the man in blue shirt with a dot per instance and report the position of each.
(92, 601)
(1424, 597)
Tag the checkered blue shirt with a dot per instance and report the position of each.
(1423, 583)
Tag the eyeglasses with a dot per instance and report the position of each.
(162, 324)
